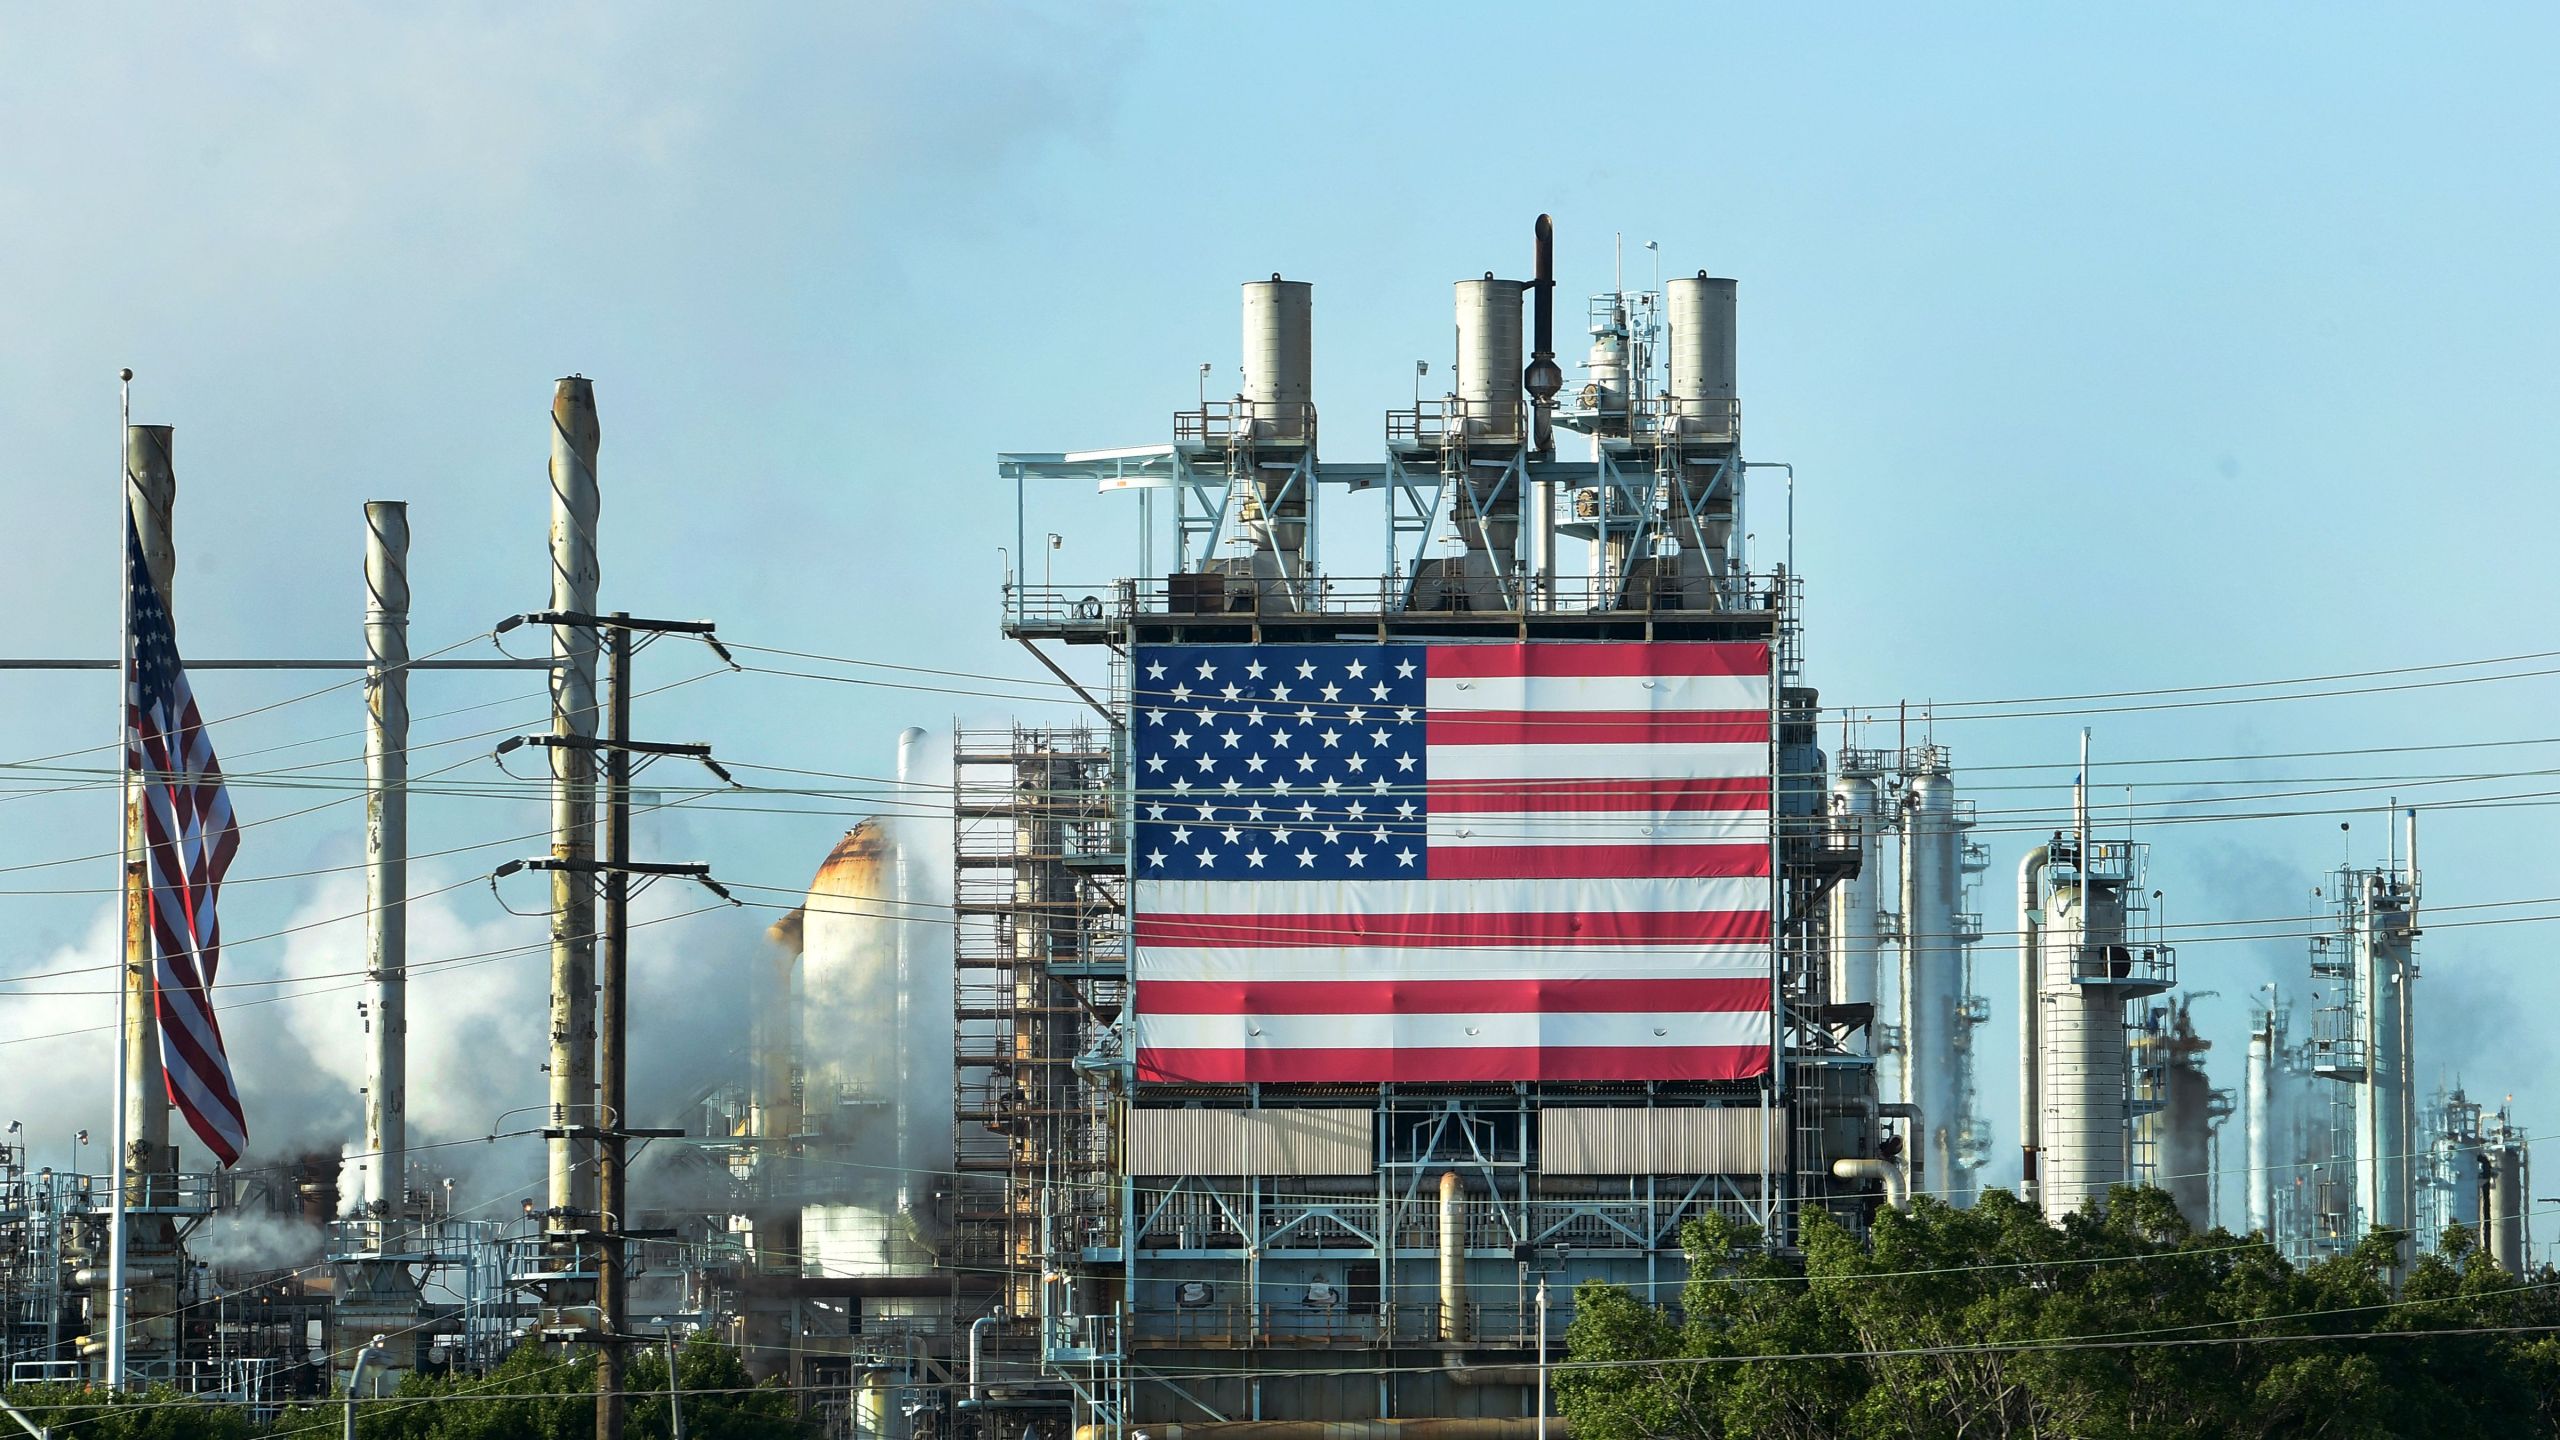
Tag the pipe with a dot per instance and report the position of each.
(1435, 1427)
(1453, 1258)
(2413, 869)
(386, 854)
(1897, 1191)
(1544, 378)
(574, 435)
(2030, 1111)
(977, 1354)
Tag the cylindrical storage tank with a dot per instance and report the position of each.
(1854, 941)
(1489, 360)
(2082, 1068)
(1932, 976)
(1279, 357)
(2260, 1123)
(1703, 355)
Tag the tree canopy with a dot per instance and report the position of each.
(2127, 1322)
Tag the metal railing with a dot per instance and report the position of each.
(1102, 608)
(1224, 422)
(1663, 419)
(2143, 967)
(1230, 1326)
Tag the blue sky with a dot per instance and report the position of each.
(2115, 349)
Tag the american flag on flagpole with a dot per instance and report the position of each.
(1365, 863)
(189, 837)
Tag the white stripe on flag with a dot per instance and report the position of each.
(1597, 692)
(1176, 898)
(1246, 964)
(1597, 762)
(1600, 827)
(1671, 1029)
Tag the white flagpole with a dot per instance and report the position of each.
(116, 1301)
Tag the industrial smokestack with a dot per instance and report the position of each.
(386, 871)
(574, 437)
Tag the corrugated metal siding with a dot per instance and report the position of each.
(1249, 1142)
(1599, 1141)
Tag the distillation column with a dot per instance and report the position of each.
(1932, 974)
(1855, 940)
(2086, 976)
(2385, 1169)
(2259, 1184)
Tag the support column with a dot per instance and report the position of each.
(572, 1187)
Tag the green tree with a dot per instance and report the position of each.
(2124, 1322)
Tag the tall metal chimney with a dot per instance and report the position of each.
(574, 437)
(386, 870)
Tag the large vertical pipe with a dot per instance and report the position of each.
(573, 718)
(2260, 1183)
(386, 855)
(1453, 1257)
(2030, 1106)
(1542, 380)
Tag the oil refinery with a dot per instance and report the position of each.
(1384, 953)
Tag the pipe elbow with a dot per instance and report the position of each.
(1897, 1191)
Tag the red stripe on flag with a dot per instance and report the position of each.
(1630, 927)
(1453, 1063)
(1523, 797)
(1597, 727)
(1568, 658)
(1550, 996)
(1597, 862)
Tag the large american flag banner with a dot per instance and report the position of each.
(188, 839)
(1359, 863)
